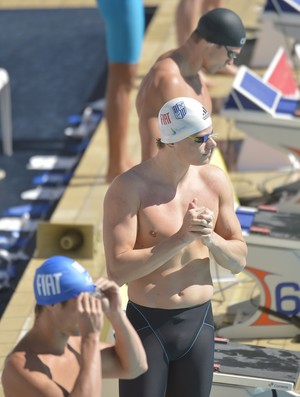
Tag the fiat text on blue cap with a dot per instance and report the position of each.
(48, 284)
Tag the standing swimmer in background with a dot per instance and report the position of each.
(215, 43)
(187, 14)
(124, 27)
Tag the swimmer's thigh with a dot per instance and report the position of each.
(154, 381)
(191, 375)
(124, 28)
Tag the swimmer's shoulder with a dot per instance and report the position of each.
(130, 182)
(211, 171)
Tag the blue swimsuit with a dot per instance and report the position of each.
(124, 28)
(179, 344)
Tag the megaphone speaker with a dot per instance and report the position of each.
(73, 240)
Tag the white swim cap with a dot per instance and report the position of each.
(182, 117)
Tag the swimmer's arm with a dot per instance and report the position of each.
(124, 262)
(226, 243)
(126, 359)
(230, 251)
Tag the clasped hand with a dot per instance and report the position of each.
(198, 222)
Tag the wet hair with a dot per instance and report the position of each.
(223, 27)
(39, 308)
(160, 144)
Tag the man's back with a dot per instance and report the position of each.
(172, 75)
(31, 358)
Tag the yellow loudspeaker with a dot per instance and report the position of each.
(71, 240)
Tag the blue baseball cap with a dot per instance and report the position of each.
(59, 279)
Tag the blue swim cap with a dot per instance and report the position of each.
(60, 278)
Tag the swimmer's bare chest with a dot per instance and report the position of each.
(184, 279)
(162, 211)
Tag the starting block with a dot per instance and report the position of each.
(52, 162)
(273, 240)
(280, 6)
(43, 193)
(289, 197)
(13, 240)
(52, 178)
(264, 113)
(285, 15)
(243, 370)
(280, 74)
(280, 26)
(30, 210)
(16, 224)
